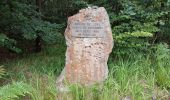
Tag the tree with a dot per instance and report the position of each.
(135, 22)
(20, 21)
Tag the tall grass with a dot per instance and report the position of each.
(137, 77)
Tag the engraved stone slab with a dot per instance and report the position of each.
(87, 29)
(89, 42)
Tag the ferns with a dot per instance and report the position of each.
(14, 90)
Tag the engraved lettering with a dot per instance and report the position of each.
(87, 29)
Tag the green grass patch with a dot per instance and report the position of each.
(138, 77)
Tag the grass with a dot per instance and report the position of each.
(138, 77)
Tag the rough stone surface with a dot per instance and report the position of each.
(86, 56)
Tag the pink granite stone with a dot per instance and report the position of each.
(86, 57)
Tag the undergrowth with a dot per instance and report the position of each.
(137, 76)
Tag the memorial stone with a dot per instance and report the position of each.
(89, 42)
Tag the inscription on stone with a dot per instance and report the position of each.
(89, 42)
(87, 29)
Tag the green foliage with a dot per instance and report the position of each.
(129, 37)
(14, 90)
(163, 65)
(137, 18)
(57, 11)
(137, 72)
(134, 23)
(2, 71)
(77, 92)
(33, 28)
(138, 76)
(8, 43)
(22, 21)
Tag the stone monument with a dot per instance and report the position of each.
(89, 43)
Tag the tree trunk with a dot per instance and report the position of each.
(38, 45)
